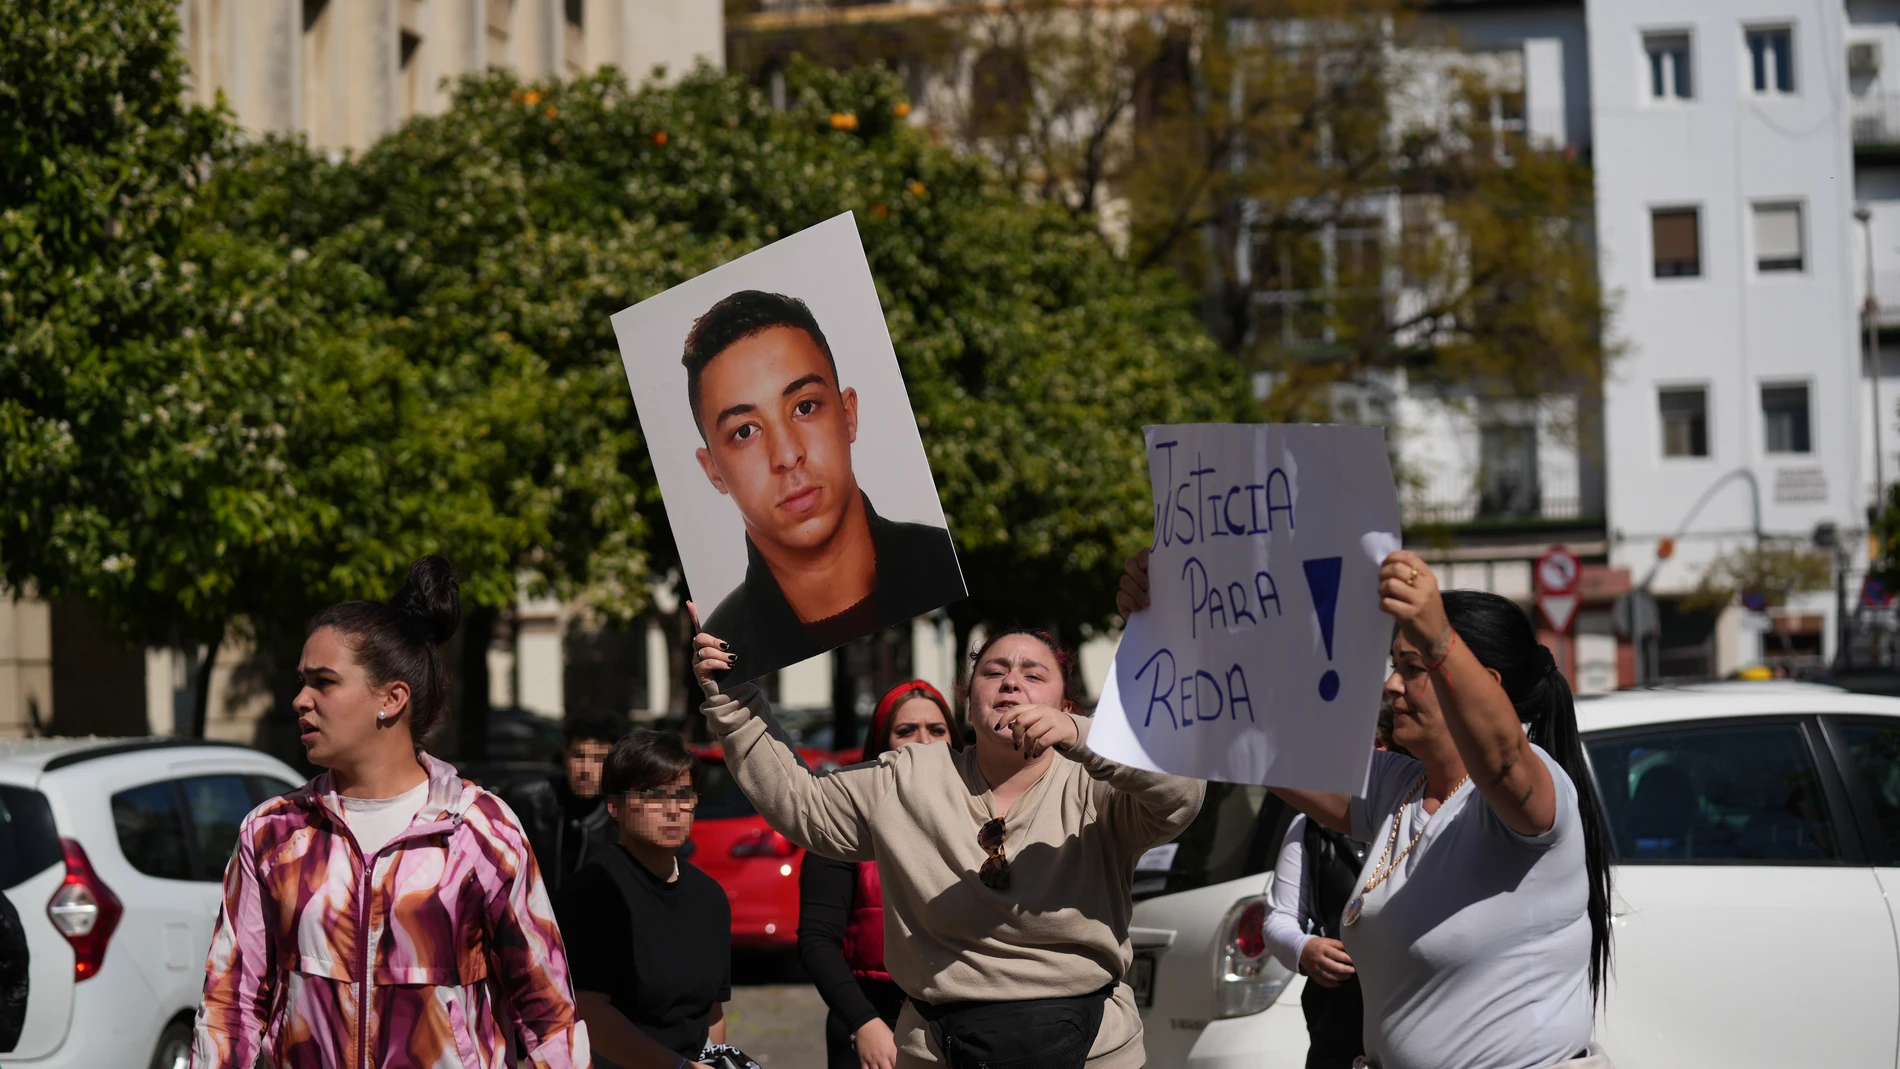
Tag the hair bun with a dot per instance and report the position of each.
(431, 598)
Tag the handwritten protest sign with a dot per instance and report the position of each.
(1261, 657)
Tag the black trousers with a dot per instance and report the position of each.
(1335, 1024)
(885, 996)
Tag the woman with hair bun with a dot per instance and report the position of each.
(388, 913)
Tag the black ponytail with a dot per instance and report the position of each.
(401, 639)
(1500, 636)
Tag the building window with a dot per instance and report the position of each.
(574, 41)
(1669, 74)
(1675, 235)
(1777, 237)
(1771, 58)
(499, 18)
(1507, 472)
(314, 62)
(1685, 422)
(1784, 413)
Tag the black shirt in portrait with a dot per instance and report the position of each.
(665, 962)
(917, 572)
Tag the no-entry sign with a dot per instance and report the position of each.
(1557, 572)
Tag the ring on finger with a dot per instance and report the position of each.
(1412, 579)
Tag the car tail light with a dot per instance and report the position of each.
(1246, 978)
(85, 911)
(764, 843)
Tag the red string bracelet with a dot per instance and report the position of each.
(1440, 663)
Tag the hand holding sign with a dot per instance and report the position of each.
(1255, 644)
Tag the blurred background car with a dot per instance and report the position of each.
(113, 852)
(757, 867)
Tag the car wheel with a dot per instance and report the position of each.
(174, 1047)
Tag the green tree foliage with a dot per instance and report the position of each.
(532, 213)
(243, 381)
(1776, 570)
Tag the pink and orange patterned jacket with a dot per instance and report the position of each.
(435, 955)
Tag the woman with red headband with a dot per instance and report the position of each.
(841, 905)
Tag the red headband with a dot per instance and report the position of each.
(888, 703)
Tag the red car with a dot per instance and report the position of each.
(757, 867)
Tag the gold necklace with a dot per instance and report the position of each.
(1382, 870)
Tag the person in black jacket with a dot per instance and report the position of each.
(649, 935)
(777, 429)
(563, 816)
(13, 976)
(841, 908)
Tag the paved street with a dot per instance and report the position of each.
(775, 1015)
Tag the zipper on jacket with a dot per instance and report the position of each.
(364, 883)
(363, 939)
(363, 933)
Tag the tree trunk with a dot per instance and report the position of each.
(960, 658)
(201, 688)
(478, 632)
(844, 699)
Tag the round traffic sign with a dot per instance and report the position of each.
(1558, 571)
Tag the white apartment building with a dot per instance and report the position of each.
(1726, 190)
(1722, 136)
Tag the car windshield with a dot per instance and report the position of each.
(1237, 833)
(719, 796)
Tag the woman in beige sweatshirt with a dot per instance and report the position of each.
(1044, 913)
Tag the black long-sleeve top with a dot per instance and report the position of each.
(825, 890)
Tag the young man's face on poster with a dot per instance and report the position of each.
(778, 434)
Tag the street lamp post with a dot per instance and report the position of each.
(1869, 309)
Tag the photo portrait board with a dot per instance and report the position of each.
(798, 489)
(1262, 653)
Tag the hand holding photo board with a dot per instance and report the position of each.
(795, 481)
(1261, 655)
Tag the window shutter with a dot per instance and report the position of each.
(1675, 235)
(1777, 234)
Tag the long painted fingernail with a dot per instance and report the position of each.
(725, 645)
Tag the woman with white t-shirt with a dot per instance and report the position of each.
(388, 913)
(1480, 926)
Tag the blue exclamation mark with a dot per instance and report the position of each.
(1322, 578)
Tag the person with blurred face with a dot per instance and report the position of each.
(354, 906)
(1006, 867)
(841, 904)
(777, 428)
(1314, 878)
(564, 815)
(653, 971)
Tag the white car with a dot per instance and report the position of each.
(1757, 892)
(112, 851)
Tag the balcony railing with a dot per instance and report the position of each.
(1473, 507)
(1876, 119)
